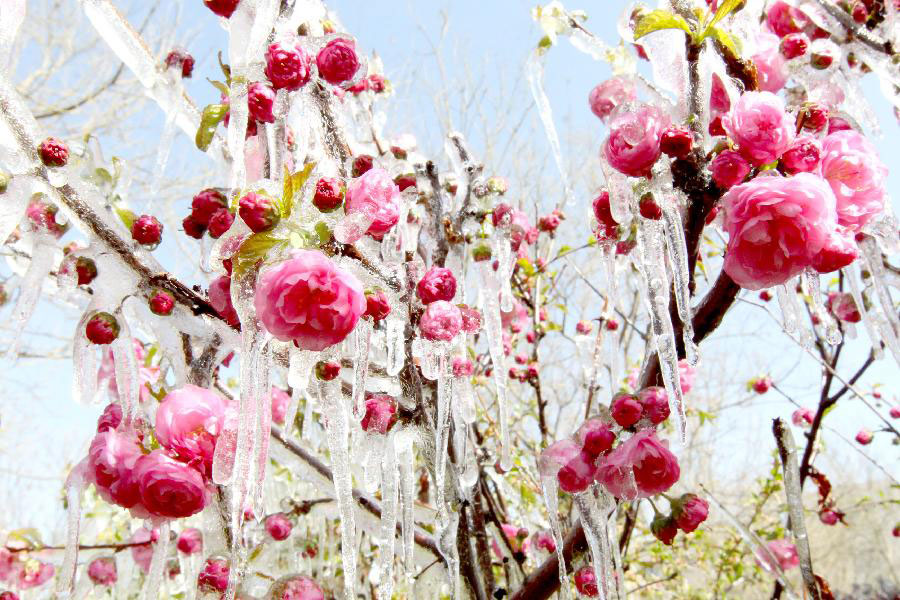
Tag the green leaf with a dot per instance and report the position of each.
(657, 20)
(226, 70)
(526, 266)
(725, 38)
(127, 216)
(212, 116)
(725, 9)
(545, 44)
(292, 186)
(323, 232)
(220, 86)
(254, 249)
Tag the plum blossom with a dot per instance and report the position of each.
(760, 127)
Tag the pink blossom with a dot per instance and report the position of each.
(689, 511)
(110, 462)
(141, 552)
(839, 251)
(214, 576)
(279, 526)
(438, 283)
(295, 587)
(110, 418)
(611, 93)
(287, 66)
(34, 574)
(188, 421)
(556, 455)
(685, 375)
(308, 300)
(543, 540)
(783, 555)
(626, 410)
(864, 437)
(655, 468)
(782, 18)
(895, 412)
(633, 143)
(337, 61)
(280, 401)
(829, 517)
(102, 570)
(190, 541)
(719, 101)
(729, 168)
(220, 299)
(517, 319)
(462, 367)
(771, 66)
(776, 225)
(376, 194)
(595, 436)
(852, 168)
(586, 582)
(802, 417)
(471, 318)
(760, 127)
(607, 229)
(655, 402)
(843, 306)
(169, 488)
(521, 230)
(380, 415)
(440, 321)
(578, 473)
(803, 156)
(583, 327)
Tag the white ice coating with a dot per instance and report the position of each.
(373, 458)
(153, 584)
(300, 366)
(493, 327)
(790, 312)
(361, 366)
(869, 320)
(534, 71)
(74, 487)
(84, 364)
(884, 311)
(15, 200)
(502, 249)
(43, 254)
(237, 129)
(656, 297)
(12, 14)
(335, 416)
(389, 485)
(126, 369)
(442, 435)
(549, 488)
(678, 261)
(594, 525)
(404, 441)
(810, 281)
(262, 430)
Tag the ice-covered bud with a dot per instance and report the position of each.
(803, 156)
(147, 230)
(760, 127)
(287, 66)
(169, 488)
(377, 306)
(784, 19)
(190, 541)
(607, 227)
(307, 299)
(481, 253)
(361, 164)
(180, 58)
(823, 55)
(53, 152)
(497, 184)
(405, 181)
(895, 412)
(501, 216)
(377, 83)
(610, 324)
(765, 295)
(586, 582)
(85, 270)
(42, 217)
(220, 299)
(462, 367)
(857, 176)
(839, 251)
(380, 415)
(337, 61)
(110, 418)
(279, 401)
(102, 328)
(543, 540)
(583, 327)
(596, 437)
(836, 124)
(794, 45)
(611, 93)
(843, 307)
(278, 526)
(102, 571)
(689, 511)
(258, 211)
(654, 466)
(206, 203)
(327, 370)
(161, 303)
(296, 587)
(626, 409)
(761, 385)
(214, 576)
(664, 529)
(655, 403)
(814, 117)
(729, 168)
(633, 144)
(578, 473)
(521, 358)
(649, 208)
(329, 194)
(438, 283)
(376, 194)
(549, 223)
(440, 321)
(223, 8)
(513, 373)
(864, 437)
(7, 595)
(859, 12)
(802, 417)
(676, 142)
(261, 102)
(783, 552)
(829, 517)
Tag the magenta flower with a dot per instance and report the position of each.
(685, 375)
(803, 156)
(214, 576)
(633, 144)
(802, 417)
(760, 127)
(655, 468)
(771, 65)
(857, 176)
(142, 553)
(287, 66)
(111, 460)
(626, 410)
(843, 307)
(280, 401)
(190, 541)
(611, 93)
(438, 283)
(783, 552)
(169, 488)
(279, 526)
(308, 300)
(375, 193)
(295, 587)
(381, 414)
(188, 422)
(102, 570)
(689, 511)
(655, 401)
(220, 299)
(337, 61)
(440, 321)
(586, 582)
(261, 102)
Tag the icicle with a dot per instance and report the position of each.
(794, 493)
(389, 482)
(851, 274)
(396, 351)
(84, 363)
(493, 328)
(12, 14)
(361, 367)
(263, 431)
(447, 546)
(886, 314)
(126, 368)
(548, 486)
(790, 312)
(164, 148)
(224, 455)
(596, 537)
(65, 584)
(678, 261)
(534, 71)
(441, 435)
(42, 258)
(404, 441)
(373, 461)
(810, 281)
(154, 582)
(618, 576)
(657, 299)
(237, 130)
(336, 427)
(15, 201)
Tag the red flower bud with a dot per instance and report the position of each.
(161, 303)
(327, 371)
(329, 194)
(86, 269)
(362, 164)
(664, 529)
(676, 142)
(223, 8)
(220, 222)
(377, 306)
(259, 212)
(147, 230)
(102, 328)
(53, 152)
(182, 60)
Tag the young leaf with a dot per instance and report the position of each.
(219, 86)
(127, 216)
(659, 19)
(726, 39)
(292, 186)
(254, 249)
(212, 116)
(725, 9)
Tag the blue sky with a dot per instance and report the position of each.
(483, 42)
